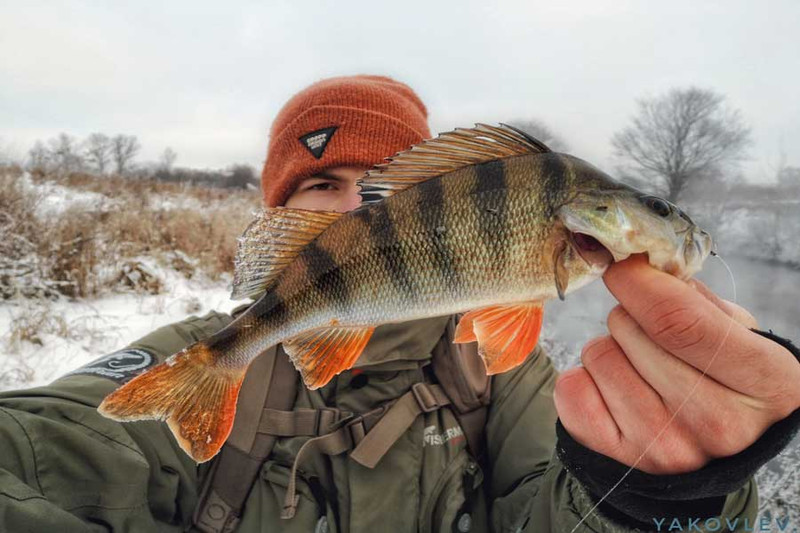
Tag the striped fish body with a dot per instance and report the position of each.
(486, 222)
(475, 237)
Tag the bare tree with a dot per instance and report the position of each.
(98, 152)
(167, 159)
(789, 177)
(242, 176)
(123, 150)
(39, 158)
(542, 132)
(683, 135)
(65, 154)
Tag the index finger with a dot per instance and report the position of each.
(685, 323)
(735, 311)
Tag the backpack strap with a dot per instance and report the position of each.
(233, 473)
(462, 375)
(370, 435)
(422, 398)
(463, 385)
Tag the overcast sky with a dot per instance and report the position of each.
(206, 79)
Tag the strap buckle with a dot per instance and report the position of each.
(357, 426)
(425, 398)
(356, 430)
(214, 515)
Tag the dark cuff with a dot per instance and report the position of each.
(698, 494)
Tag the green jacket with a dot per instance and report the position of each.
(65, 468)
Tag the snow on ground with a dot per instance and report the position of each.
(175, 202)
(55, 199)
(69, 334)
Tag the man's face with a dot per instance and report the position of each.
(334, 189)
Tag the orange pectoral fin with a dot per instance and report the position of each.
(506, 334)
(464, 329)
(322, 353)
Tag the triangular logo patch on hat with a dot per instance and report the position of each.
(316, 141)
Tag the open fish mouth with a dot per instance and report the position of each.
(591, 250)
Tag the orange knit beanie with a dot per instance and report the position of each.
(346, 121)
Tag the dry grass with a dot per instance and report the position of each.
(80, 252)
(37, 323)
(31, 326)
(21, 233)
(140, 190)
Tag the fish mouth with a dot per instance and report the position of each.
(591, 250)
(695, 250)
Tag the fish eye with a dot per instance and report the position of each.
(658, 206)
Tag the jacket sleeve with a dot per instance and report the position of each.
(529, 487)
(64, 467)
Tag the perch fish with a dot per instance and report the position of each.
(484, 221)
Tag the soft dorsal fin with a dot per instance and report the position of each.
(271, 242)
(447, 152)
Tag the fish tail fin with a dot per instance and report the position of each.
(194, 396)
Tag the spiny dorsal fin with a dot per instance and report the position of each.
(271, 242)
(447, 152)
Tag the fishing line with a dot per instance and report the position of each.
(675, 414)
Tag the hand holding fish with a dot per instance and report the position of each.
(668, 340)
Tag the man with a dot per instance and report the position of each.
(66, 468)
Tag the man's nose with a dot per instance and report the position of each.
(352, 201)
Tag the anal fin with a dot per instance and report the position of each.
(322, 353)
(506, 334)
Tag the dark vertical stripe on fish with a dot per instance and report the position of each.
(364, 214)
(269, 308)
(433, 220)
(554, 176)
(490, 195)
(385, 242)
(279, 315)
(326, 275)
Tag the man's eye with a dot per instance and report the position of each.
(324, 186)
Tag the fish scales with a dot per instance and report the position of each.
(405, 240)
(484, 221)
(412, 237)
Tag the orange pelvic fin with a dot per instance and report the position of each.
(506, 334)
(322, 353)
(196, 398)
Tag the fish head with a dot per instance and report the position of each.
(608, 221)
